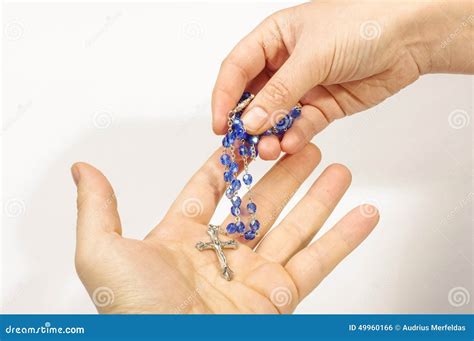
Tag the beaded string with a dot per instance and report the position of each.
(247, 146)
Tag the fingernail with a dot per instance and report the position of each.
(255, 118)
(75, 174)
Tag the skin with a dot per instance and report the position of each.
(165, 273)
(338, 58)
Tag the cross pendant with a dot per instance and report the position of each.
(218, 246)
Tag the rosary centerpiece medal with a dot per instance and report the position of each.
(237, 140)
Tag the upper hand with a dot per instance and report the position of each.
(337, 58)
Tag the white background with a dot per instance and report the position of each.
(127, 88)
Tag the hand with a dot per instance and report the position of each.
(165, 273)
(337, 58)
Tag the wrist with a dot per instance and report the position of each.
(442, 36)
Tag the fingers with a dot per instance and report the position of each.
(306, 218)
(262, 48)
(276, 188)
(96, 204)
(269, 148)
(311, 122)
(199, 198)
(243, 64)
(319, 110)
(312, 264)
(283, 91)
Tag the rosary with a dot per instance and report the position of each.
(237, 139)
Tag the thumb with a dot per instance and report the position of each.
(96, 204)
(282, 92)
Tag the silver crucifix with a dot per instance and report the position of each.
(217, 245)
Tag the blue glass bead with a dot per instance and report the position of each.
(240, 133)
(243, 150)
(284, 124)
(237, 123)
(249, 235)
(268, 132)
(281, 124)
(231, 137)
(225, 141)
(231, 228)
(235, 211)
(247, 178)
(245, 95)
(254, 225)
(225, 159)
(244, 136)
(236, 201)
(233, 167)
(235, 184)
(229, 193)
(295, 112)
(238, 128)
(251, 207)
(290, 123)
(279, 133)
(252, 139)
(228, 176)
(240, 227)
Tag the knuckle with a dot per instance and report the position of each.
(277, 93)
(230, 64)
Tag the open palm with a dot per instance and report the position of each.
(165, 273)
